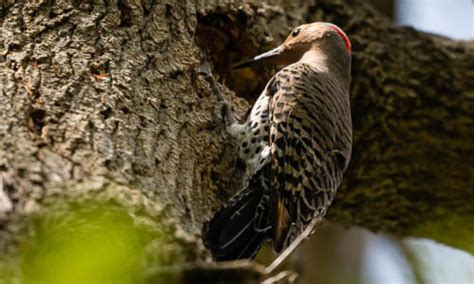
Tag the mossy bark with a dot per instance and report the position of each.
(100, 95)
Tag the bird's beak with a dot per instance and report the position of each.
(267, 57)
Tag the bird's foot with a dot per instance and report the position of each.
(220, 115)
(223, 112)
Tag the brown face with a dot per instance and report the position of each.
(314, 33)
(299, 41)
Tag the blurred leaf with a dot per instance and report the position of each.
(93, 243)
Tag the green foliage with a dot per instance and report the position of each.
(93, 243)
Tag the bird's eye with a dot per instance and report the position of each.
(295, 32)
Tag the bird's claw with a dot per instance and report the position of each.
(204, 68)
(223, 112)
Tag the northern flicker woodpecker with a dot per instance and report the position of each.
(296, 143)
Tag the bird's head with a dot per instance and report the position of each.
(310, 43)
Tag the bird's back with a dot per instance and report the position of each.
(310, 140)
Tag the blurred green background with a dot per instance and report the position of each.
(89, 243)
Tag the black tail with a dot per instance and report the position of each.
(238, 229)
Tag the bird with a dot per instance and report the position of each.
(296, 144)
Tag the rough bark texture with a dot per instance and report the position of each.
(99, 99)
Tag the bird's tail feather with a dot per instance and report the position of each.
(239, 228)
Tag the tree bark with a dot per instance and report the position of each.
(100, 100)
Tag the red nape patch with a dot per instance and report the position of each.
(344, 38)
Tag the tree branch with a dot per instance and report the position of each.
(105, 102)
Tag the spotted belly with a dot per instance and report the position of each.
(253, 136)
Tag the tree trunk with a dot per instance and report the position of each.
(100, 100)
